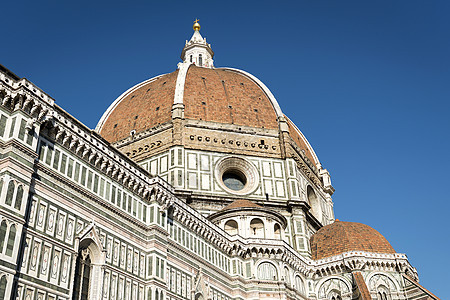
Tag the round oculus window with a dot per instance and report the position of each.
(234, 180)
(236, 175)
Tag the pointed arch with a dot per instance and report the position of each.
(299, 284)
(19, 197)
(287, 275)
(333, 286)
(377, 279)
(3, 282)
(199, 296)
(88, 238)
(3, 228)
(88, 268)
(11, 240)
(10, 193)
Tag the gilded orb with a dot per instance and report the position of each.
(196, 25)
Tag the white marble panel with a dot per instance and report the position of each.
(192, 161)
(204, 163)
(164, 164)
(205, 181)
(41, 214)
(277, 170)
(266, 169)
(154, 167)
(192, 180)
(268, 186)
(280, 188)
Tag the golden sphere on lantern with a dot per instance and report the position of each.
(196, 25)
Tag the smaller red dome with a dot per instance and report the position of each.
(341, 237)
(241, 203)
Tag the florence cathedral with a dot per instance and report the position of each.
(193, 185)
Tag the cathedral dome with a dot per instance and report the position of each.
(340, 237)
(228, 100)
(143, 106)
(219, 95)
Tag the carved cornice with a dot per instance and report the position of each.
(304, 163)
(76, 137)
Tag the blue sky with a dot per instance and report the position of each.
(366, 81)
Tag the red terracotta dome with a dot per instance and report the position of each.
(241, 203)
(142, 107)
(227, 96)
(219, 95)
(341, 237)
(216, 95)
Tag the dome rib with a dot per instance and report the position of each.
(181, 82)
(300, 139)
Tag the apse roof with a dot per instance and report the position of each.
(340, 237)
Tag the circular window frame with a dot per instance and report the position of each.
(241, 166)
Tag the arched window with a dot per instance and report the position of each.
(231, 227)
(199, 296)
(82, 275)
(287, 277)
(257, 228)
(11, 239)
(383, 293)
(19, 196)
(200, 60)
(299, 285)
(3, 228)
(277, 231)
(314, 202)
(156, 295)
(267, 271)
(191, 58)
(335, 295)
(3, 282)
(10, 193)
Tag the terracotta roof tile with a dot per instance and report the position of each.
(341, 237)
(241, 204)
(225, 96)
(143, 108)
